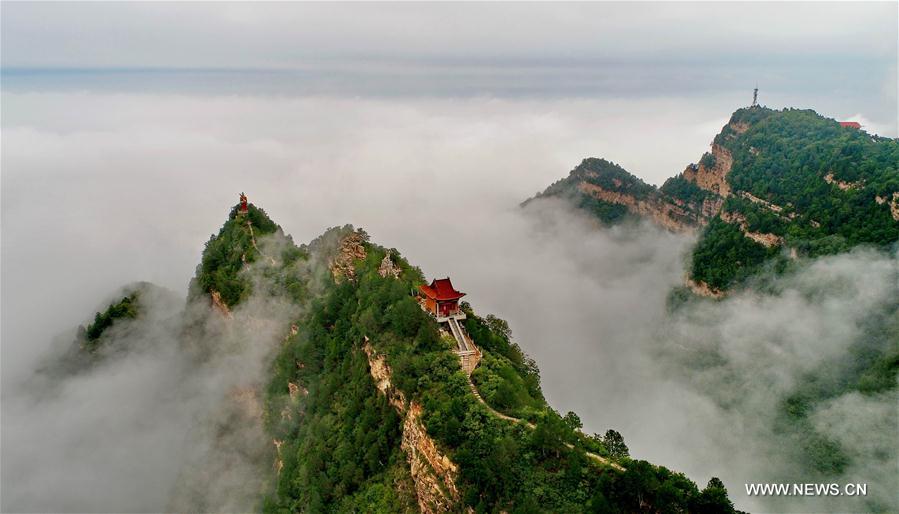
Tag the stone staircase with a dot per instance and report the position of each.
(468, 353)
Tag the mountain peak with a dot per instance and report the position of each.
(773, 180)
(235, 247)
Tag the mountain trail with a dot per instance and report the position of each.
(597, 458)
(253, 241)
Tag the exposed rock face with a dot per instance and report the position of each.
(702, 289)
(351, 248)
(219, 304)
(764, 203)
(844, 186)
(739, 127)
(894, 204)
(673, 213)
(710, 207)
(765, 239)
(387, 268)
(713, 179)
(669, 215)
(768, 240)
(433, 473)
(279, 462)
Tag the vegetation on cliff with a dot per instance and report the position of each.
(604, 174)
(680, 189)
(802, 177)
(126, 308)
(228, 251)
(339, 440)
(724, 255)
(799, 186)
(789, 179)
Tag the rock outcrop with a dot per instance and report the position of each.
(712, 178)
(768, 240)
(670, 208)
(351, 248)
(669, 215)
(782, 177)
(894, 204)
(433, 473)
(388, 268)
(700, 288)
(844, 186)
(220, 305)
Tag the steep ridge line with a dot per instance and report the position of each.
(434, 474)
(598, 458)
(466, 348)
(253, 241)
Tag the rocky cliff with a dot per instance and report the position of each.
(296, 417)
(711, 174)
(683, 204)
(433, 473)
(789, 183)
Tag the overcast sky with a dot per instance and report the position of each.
(839, 58)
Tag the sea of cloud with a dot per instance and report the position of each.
(104, 189)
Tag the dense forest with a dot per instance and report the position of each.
(801, 186)
(823, 180)
(803, 180)
(339, 441)
(605, 174)
(227, 252)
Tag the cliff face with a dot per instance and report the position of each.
(674, 217)
(683, 204)
(295, 413)
(433, 473)
(787, 180)
(712, 178)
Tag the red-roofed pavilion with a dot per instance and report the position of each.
(851, 124)
(440, 298)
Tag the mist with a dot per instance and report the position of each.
(105, 189)
(166, 417)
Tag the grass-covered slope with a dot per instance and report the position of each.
(339, 439)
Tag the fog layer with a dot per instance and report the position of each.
(100, 190)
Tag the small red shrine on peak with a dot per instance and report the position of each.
(440, 298)
(243, 203)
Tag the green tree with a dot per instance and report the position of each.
(614, 443)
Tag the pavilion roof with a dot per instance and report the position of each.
(441, 289)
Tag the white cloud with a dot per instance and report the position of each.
(103, 189)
